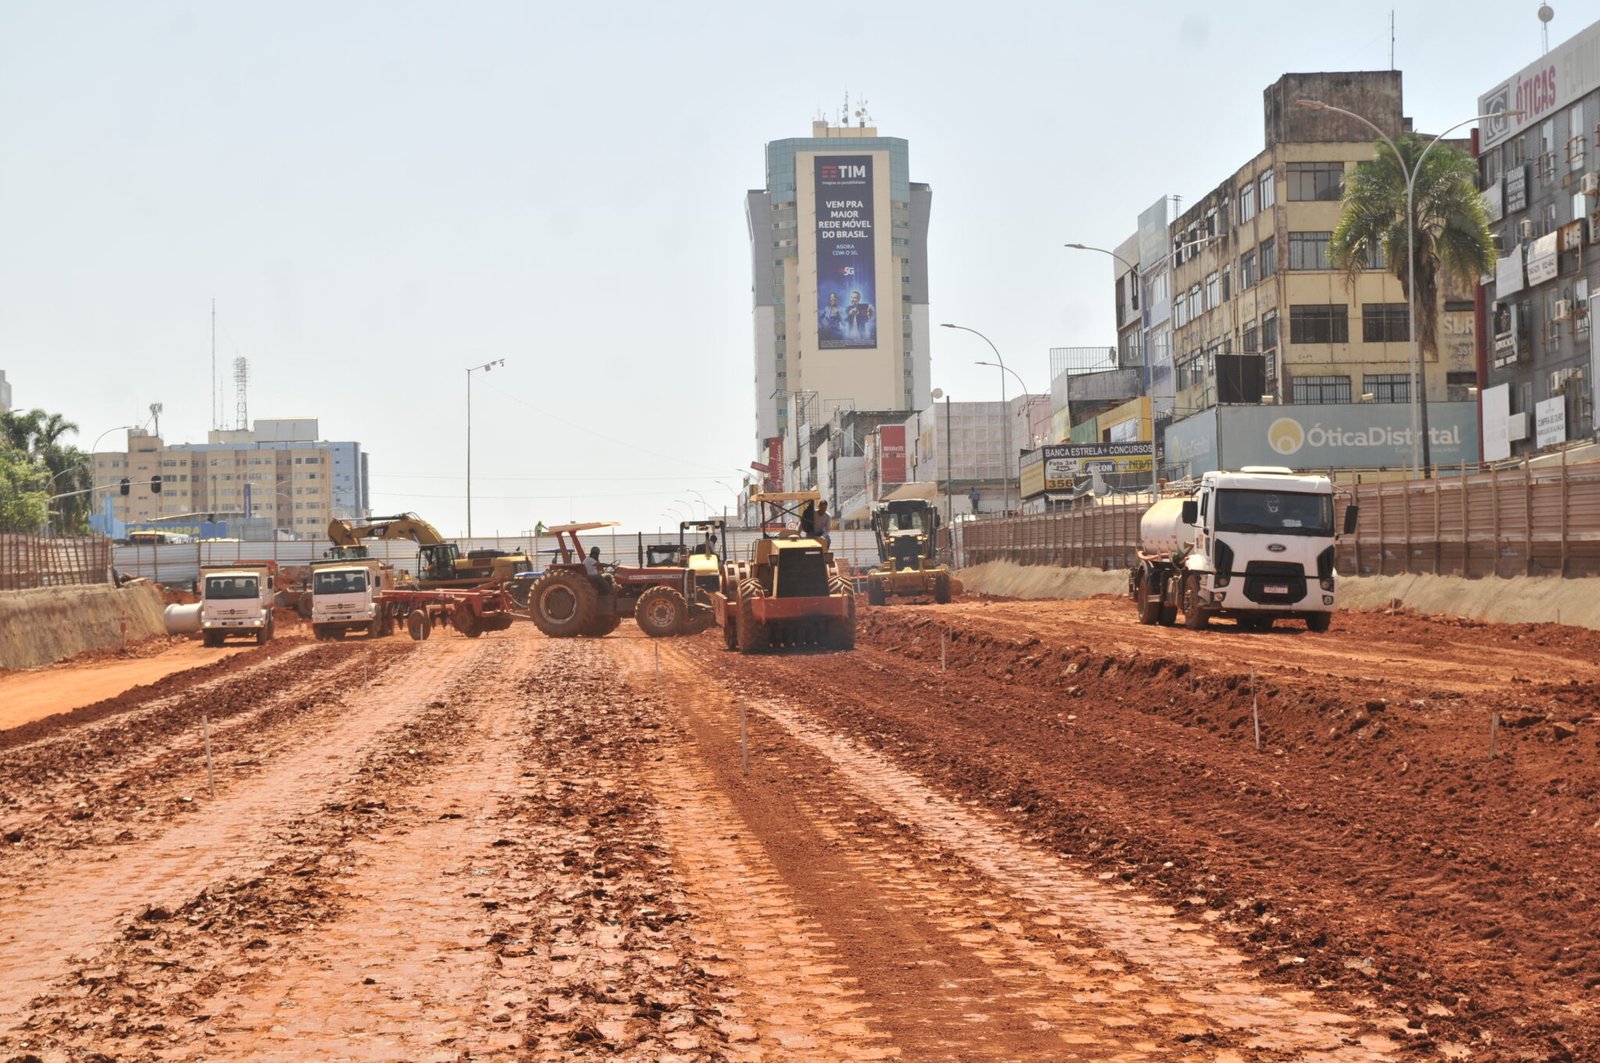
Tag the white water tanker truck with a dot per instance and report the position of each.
(1255, 545)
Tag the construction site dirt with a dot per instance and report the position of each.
(995, 830)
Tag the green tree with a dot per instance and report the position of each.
(1452, 238)
(22, 494)
(34, 439)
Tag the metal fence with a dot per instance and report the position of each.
(30, 561)
(1506, 522)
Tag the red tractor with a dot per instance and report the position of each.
(568, 601)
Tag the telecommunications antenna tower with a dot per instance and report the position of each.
(155, 413)
(862, 117)
(1546, 13)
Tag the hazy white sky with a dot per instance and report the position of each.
(381, 194)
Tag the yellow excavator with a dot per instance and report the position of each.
(439, 563)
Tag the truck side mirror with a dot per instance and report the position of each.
(1350, 513)
(1191, 511)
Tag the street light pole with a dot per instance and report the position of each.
(486, 366)
(1005, 464)
(1419, 396)
(1144, 359)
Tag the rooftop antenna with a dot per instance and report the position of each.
(215, 416)
(1391, 38)
(1546, 13)
(844, 112)
(155, 412)
(241, 383)
(862, 117)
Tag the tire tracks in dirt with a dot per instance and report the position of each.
(151, 924)
(1025, 941)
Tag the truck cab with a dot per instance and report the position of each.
(236, 601)
(344, 598)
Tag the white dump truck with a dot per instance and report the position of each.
(236, 600)
(1255, 545)
(344, 598)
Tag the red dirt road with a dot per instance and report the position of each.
(1065, 845)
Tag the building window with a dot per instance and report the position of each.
(1310, 181)
(1310, 390)
(1252, 338)
(1269, 330)
(1247, 270)
(1247, 201)
(1308, 250)
(1269, 258)
(1384, 323)
(1387, 387)
(1461, 387)
(1213, 292)
(1269, 195)
(1320, 324)
(1227, 283)
(1194, 302)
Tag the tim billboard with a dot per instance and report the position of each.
(846, 282)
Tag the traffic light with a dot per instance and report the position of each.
(155, 485)
(124, 485)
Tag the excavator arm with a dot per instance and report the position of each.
(347, 533)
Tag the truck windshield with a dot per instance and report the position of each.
(231, 587)
(339, 583)
(1274, 512)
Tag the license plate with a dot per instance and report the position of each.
(1276, 588)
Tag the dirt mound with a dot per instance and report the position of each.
(51, 624)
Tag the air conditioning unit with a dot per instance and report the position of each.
(1563, 309)
(1590, 185)
(1525, 228)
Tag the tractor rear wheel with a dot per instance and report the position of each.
(661, 611)
(563, 604)
(602, 626)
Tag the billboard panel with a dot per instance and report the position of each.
(846, 278)
(1553, 81)
(1344, 436)
(892, 454)
(1059, 466)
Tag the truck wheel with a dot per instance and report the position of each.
(1149, 607)
(753, 634)
(941, 588)
(319, 632)
(1317, 623)
(212, 639)
(661, 611)
(418, 624)
(563, 604)
(1194, 617)
(264, 634)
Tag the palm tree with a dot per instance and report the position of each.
(1451, 230)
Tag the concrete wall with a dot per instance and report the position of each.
(38, 627)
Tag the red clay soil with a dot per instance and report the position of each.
(517, 847)
(1371, 845)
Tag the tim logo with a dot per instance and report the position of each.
(835, 172)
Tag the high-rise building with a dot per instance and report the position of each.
(5, 393)
(840, 299)
(1541, 179)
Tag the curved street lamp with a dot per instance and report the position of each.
(1419, 397)
(1005, 464)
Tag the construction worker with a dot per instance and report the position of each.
(822, 525)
